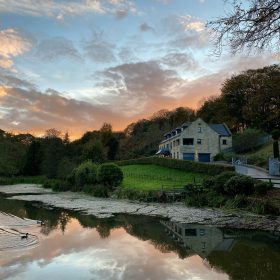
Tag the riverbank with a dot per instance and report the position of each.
(108, 207)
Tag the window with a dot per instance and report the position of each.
(224, 141)
(177, 155)
(199, 129)
(187, 141)
(202, 232)
(190, 232)
(199, 141)
(178, 142)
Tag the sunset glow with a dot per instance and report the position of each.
(74, 65)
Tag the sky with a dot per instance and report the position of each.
(73, 65)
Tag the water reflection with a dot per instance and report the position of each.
(79, 246)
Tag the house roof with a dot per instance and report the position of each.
(220, 129)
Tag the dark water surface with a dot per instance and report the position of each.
(75, 246)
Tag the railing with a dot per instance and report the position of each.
(273, 181)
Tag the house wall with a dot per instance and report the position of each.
(211, 141)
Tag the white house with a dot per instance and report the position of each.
(197, 141)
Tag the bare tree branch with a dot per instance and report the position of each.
(254, 27)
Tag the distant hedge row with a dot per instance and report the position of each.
(207, 168)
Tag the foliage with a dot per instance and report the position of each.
(55, 185)
(65, 167)
(33, 159)
(275, 136)
(12, 153)
(94, 151)
(239, 184)
(220, 181)
(248, 100)
(248, 140)
(22, 180)
(224, 156)
(86, 174)
(238, 201)
(98, 190)
(142, 138)
(110, 175)
(250, 25)
(261, 188)
(185, 165)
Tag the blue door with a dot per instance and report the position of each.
(188, 156)
(204, 157)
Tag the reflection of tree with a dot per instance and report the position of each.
(103, 230)
(64, 218)
(248, 261)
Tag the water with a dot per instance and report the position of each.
(75, 246)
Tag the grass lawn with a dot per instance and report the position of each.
(153, 177)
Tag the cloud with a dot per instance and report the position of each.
(144, 27)
(57, 47)
(99, 50)
(12, 44)
(121, 95)
(59, 9)
(36, 111)
(180, 60)
(185, 32)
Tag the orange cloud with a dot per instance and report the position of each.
(12, 44)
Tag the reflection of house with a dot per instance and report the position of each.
(197, 141)
(199, 238)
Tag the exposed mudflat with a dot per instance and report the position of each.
(177, 212)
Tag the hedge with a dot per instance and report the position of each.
(185, 165)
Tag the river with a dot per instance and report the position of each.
(71, 245)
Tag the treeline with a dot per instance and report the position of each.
(248, 100)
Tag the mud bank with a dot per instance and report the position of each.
(104, 208)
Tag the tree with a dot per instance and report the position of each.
(275, 137)
(33, 159)
(250, 99)
(52, 133)
(251, 25)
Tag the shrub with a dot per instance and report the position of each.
(110, 175)
(208, 183)
(261, 188)
(248, 140)
(186, 165)
(239, 184)
(239, 201)
(220, 180)
(55, 185)
(96, 190)
(86, 174)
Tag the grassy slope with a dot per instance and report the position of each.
(153, 177)
(260, 157)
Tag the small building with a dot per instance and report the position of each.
(196, 141)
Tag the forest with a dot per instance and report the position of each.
(249, 100)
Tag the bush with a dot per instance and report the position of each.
(239, 184)
(86, 174)
(248, 140)
(220, 180)
(96, 190)
(110, 175)
(186, 165)
(55, 185)
(209, 182)
(239, 201)
(261, 188)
